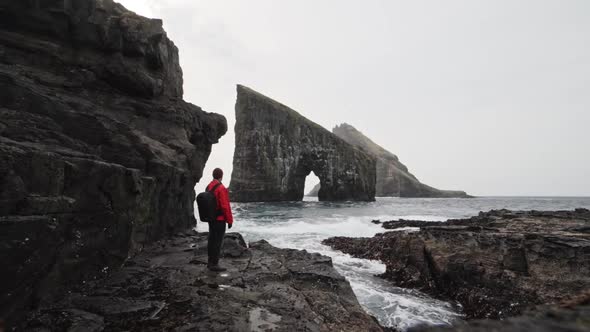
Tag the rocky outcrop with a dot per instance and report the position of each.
(167, 287)
(99, 153)
(276, 148)
(496, 264)
(393, 177)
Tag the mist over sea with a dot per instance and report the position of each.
(303, 225)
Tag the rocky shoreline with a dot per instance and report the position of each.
(100, 157)
(498, 264)
(167, 287)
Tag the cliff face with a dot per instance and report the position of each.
(393, 177)
(276, 148)
(99, 153)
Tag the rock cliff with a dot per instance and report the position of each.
(276, 148)
(99, 153)
(497, 264)
(393, 177)
(167, 288)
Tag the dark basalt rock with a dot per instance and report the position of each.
(497, 264)
(553, 319)
(393, 177)
(99, 153)
(393, 224)
(276, 148)
(167, 287)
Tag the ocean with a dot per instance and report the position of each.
(303, 225)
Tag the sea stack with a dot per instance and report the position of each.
(393, 178)
(276, 148)
(99, 153)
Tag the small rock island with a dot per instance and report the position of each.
(393, 178)
(276, 148)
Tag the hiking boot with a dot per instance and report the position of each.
(216, 268)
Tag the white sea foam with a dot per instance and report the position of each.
(391, 305)
(303, 225)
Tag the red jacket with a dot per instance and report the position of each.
(222, 198)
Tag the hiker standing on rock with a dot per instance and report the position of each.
(217, 225)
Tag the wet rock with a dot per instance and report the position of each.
(99, 153)
(276, 148)
(400, 223)
(72, 320)
(167, 287)
(393, 177)
(496, 264)
(543, 320)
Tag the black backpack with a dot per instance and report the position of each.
(208, 204)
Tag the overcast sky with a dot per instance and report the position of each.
(491, 97)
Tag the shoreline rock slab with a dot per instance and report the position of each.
(276, 148)
(168, 287)
(99, 153)
(497, 264)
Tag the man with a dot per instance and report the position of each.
(217, 227)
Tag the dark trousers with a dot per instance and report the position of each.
(215, 241)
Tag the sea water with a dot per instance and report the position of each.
(303, 225)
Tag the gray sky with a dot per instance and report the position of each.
(491, 97)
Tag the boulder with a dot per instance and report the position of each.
(99, 153)
(276, 148)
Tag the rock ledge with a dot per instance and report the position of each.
(167, 287)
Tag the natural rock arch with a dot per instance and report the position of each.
(276, 148)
